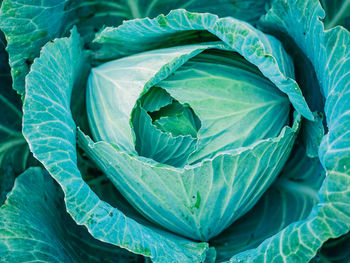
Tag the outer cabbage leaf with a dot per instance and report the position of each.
(26, 29)
(50, 132)
(34, 226)
(290, 198)
(260, 49)
(198, 201)
(33, 29)
(337, 13)
(335, 250)
(329, 53)
(14, 153)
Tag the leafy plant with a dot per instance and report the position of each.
(219, 133)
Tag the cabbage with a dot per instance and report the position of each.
(217, 134)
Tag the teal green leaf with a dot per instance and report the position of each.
(160, 146)
(301, 168)
(26, 29)
(290, 198)
(155, 98)
(178, 124)
(306, 77)
(189, 200)
(249, 10)
(305, 74)
(123, 81)
(14, 153)
(33, 28)
(337, 13)
(50, 131)
(211, 255)
(284, 203)
(262, 50)
(35, 226)
(330, 58)
(329, 53)
(334, 150)
(335, 250)
(312, 134)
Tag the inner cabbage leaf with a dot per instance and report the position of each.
(216, 101)
(235, 103)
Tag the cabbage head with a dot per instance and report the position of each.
(175, 131)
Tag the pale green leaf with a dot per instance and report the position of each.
(235, 103)
(312, 134)
(114, 87)
(160, 146)
(197, 201)
(260, 49)
(156, 98)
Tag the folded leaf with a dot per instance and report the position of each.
(289, 199)
(260, 49)
(163, 147)
(201, 200)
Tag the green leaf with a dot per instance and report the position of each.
(235, 103)
(336, 250)
(312, 134)
(39, 21)
(14, 153)
(167, 132)
(155, 98)
(284, 203)
(160, 146)
(329, 54)
(289, 199)
(182, 123)
(34, 226)
(337, 13)
(26, 29)
(50, 132)
(301, 168)
(260, 49)
(114, 87)
(189, 200)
